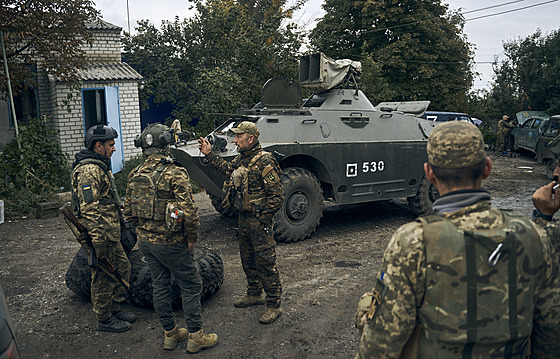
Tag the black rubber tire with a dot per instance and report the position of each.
(78, 275)
(210, 265)
(422, 203)
(550, 167)
(217, 203)
(302, 208)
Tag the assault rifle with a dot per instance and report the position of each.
(84, 239)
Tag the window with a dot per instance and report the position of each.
(26, 106)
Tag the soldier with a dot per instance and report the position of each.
(254, 190)
(159, 204)
(96, 202)
(468, 281)
(505, 125)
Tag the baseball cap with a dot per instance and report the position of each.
(247, 127)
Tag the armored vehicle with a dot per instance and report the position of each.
(334, 146)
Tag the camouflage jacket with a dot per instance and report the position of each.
(269, 184)
(505, 127)
(172, 187)
(91, 187)
(403, 288)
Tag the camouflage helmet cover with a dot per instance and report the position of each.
(455, 144)
(247, 127)
(99, 133)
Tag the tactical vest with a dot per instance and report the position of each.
(235, 192)
(115, 198)
(471, 277)
(144, 200)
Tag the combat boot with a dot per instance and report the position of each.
(249, 300)
(173, 336)
(127, 317)
(113, 325)
(198, 341)
(270, 315)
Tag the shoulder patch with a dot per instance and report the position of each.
(377, 299)
(269, 175)
(87, 193)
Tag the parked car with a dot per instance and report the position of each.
(534, 135)
(8, 345)
(528, 133)
(441, 116)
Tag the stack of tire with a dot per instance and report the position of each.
(210, 266)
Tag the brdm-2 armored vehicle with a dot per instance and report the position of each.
(335, 146)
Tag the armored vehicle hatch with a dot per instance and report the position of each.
(334, 146)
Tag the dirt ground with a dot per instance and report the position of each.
(322, 277)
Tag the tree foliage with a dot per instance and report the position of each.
(217, 60)
(529, 76)
(418, 46)
(50, 31)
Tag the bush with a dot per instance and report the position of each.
(34, 173)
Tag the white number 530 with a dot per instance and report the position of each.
(373, 166)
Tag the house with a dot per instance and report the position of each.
(108, 94)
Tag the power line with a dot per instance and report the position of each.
(512, 10)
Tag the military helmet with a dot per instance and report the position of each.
(155, 135)
(99, 133)
(455, 144)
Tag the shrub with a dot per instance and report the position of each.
(34, 173)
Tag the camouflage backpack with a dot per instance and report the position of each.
(146, 203)
(479, 288)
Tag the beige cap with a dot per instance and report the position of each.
(455, 144)
(247, 127)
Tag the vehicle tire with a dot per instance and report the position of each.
(217, 203)
(550, 167)
(78, 275)
(422, 203)
(302, 208)
(211, 269)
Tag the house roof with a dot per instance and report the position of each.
(108, 71)
(99, 24)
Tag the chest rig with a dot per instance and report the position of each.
(235, 192)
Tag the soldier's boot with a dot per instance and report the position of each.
(270, 315)
(249, 300)
(199, 340)
(113, 325)
(127, 317)
(173, 336)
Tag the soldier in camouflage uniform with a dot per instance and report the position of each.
(505, 125)
(96, 203)
(256, 193)
(160, 205)
(470, 281)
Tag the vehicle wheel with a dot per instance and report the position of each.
(302, 208)
(550, 167)
(422, 202)
(217, 203)
(78, 277)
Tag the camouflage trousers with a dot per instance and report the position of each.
(502, 141)
(165, 260)
(106, 293)
(258, 257)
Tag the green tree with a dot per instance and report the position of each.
(418, 45)
(217, 60)
(51, 32)
(529, 75)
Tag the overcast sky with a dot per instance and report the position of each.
(519, 18)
